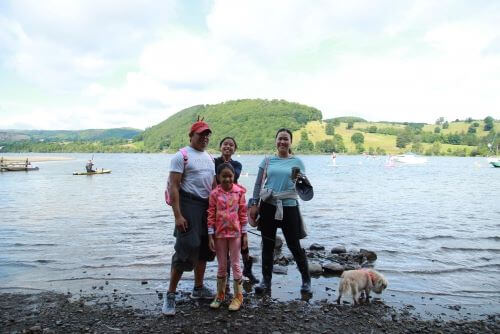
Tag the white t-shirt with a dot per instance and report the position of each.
(198, 175)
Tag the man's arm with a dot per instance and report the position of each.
(175, 185)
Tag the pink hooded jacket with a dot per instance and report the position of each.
(227, 212)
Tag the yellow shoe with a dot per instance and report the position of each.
(221, 290)
(238, 296)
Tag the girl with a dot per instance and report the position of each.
(227, 221)
(227, 148)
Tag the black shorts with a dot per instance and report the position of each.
(192, 246)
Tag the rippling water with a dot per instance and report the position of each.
(435, 227)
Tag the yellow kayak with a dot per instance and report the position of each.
(99, 171)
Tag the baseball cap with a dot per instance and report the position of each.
(199, 127)
(304, 188)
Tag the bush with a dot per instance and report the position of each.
(488, 123)
(437, 129)
(330, 129)
(358, 138)
(403, 139)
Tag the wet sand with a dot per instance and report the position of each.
(51, 312)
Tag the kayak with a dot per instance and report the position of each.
(495, 164)
(99, 171)
(19, 168)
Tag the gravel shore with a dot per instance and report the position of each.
(51, 312)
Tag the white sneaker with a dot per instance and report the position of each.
(169, 304)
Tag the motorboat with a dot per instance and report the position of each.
(493, 159)
(409, 159)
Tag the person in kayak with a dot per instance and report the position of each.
(89, 166)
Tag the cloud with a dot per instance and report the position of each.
(131, 63)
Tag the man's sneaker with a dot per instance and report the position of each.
(169, 304)
(202, 293)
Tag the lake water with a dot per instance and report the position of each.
(435, 228)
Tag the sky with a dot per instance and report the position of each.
(122, 63)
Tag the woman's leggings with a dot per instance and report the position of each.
(222, 247)
(290, 225)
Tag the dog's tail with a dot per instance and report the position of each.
(344, 286)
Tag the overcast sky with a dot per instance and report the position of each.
(102, 64)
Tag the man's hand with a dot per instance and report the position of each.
(254, 209)
(181, 224)
(211, 243)
(244, 241)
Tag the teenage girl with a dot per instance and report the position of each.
(227, 233)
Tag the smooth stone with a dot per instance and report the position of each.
(333, 268)
(316, 246)
(338, 250)
(315, 268)
(280, 270)
(278, 243)
(370, 256)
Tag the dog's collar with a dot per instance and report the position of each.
(371, 275)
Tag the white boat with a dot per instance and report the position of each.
(409, 159)
(493, 159)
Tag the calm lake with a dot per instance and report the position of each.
(435, 228)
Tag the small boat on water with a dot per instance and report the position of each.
(19, 168)
(495, 164)
(99, 171)
(409, 159)
(493, 159)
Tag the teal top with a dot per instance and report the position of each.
(278, 175)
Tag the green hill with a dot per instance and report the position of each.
(68, 135)
(252, 122)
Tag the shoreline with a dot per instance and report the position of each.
(52, 312)
(21, 159)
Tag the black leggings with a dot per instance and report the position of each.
(290, 225)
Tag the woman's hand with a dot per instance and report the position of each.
(211, 243)
(253, 212)
(244, 241)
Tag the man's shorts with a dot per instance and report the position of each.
(192, 246)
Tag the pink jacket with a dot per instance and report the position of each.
(227, 212)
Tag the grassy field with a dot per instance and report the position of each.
(462, 127)
(316, 132)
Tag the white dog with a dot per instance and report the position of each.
(355, 281)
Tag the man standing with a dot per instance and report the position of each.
(191, 176)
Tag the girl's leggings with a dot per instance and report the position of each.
(222, 247)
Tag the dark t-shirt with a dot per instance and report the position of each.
(236, 165)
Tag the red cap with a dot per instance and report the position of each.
(199, 127)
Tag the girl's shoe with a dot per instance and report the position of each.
(238, 296)
(221, 293)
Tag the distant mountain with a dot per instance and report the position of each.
(252, 122)
(68, 135)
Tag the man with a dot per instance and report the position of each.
(89, 166)
(191, 180)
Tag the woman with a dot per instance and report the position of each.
(227, 147)
(279, 210)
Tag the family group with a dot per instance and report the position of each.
(211, 215)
